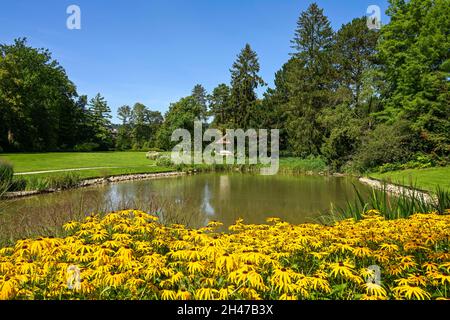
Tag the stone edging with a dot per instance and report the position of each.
(98, 181)
(396, 189)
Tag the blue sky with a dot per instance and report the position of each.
(155, 51)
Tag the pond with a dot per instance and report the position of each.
(191, 200)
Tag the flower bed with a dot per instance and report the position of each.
(129, 255)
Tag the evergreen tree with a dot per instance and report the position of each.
(244, 81)
(123, 141)
(200, 96)
(310, 81)
(101, 122)
(220, 106)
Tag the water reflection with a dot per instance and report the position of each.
(192, 200)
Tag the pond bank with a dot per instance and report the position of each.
(396, 189)
(98, 181)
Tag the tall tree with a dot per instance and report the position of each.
(181, 115)
(123, 141)
(310, 80)
(414, 50)
(101, 121)
(37, 100)
(347, 116)
(201, 97)
(220, 105)
(354, 56)
(244, 81)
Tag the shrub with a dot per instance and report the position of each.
(385, 144)
(164, 161)
(86, 147)
(153, 155)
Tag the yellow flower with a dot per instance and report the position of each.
(195, 267)
(443, 278)
(99, 235)
(410, 292)
(8, 288)
(319, 284)
(182, 294)
(70, 226)
(225, 293)
(168, 295)
(389, 247)
(430, 266)
(226, 262)
(445, 266)
(362, 252)
(374, 289)
(206, 294)
(281, 279)
(343, 269)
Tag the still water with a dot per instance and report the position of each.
(192, 200)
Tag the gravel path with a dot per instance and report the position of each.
(395, 189)
(64, 170)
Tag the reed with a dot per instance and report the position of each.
(403, 205)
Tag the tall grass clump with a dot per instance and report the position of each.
(6, 176)
(303, 165)
(391, 206)
(64, 181)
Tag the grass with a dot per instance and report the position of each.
(103, 164)
(31, 162)
(427, 179)
(298, 165)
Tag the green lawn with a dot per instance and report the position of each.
(106, 163)
(426, 179)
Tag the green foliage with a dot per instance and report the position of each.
(309, 81)
(244, 81)
(164, 161)
(38, 103)
(407, 203)
(6, 176)
(344, 138)
(298, 166)
(201, 96)
(414, 53)
(420, 161)
(220, 106)
(19, 183)
(100, 115)
(64, 181)
(86, 147)
(385, 144)
(181, 114)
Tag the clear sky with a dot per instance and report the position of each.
(155, 51)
